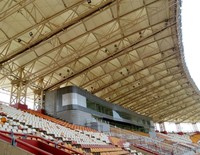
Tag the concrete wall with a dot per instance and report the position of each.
(75, 116)
(73, 98)
(100, 126)
(50, 102)
(8, 149)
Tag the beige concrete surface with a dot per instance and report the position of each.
(8, 149)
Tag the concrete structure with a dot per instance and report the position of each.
(83, 108)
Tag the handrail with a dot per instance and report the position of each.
(162, 146)
(42, 139)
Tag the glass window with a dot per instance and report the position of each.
(99, 108)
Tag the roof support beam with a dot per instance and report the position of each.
(14, 8)
(179, 115)
(56, 31)
(175, 112)
(165, 110)
(131, 87)
(110, 57)
(149, 92)
(172, 56)
(196, 114)
(154, 102)
(170, 101)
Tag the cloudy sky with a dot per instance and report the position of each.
(191, 37)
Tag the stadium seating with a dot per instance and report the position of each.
(178, 137)
(161, 144)
(78, 138)
(83, 140)
(68, 125)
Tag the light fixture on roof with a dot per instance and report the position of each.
(166, 22)
(31, 34)
(116, 47)
(89, 1)
(140, 33)
(19, 40)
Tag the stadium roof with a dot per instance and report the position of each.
(128, 52)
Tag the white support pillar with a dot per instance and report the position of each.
(18, 89)
(162, 127)
(38, 99)
(38, 96)
(155, 126)
(195, 128)
(178, 127)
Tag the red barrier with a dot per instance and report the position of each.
(20, 106)
(45, 147)
(25, 146)
(35, 144)
(142, 148)
(42, 111)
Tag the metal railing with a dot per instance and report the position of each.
(154, 145)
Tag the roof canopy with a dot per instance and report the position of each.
(128, 52)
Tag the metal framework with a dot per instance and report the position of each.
(126, 52)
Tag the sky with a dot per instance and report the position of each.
(191, 37)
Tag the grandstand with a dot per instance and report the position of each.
(103, 76)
